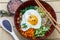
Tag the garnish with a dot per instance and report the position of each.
(41, 31)
(24, 25)
(40, 11)
(27, 8)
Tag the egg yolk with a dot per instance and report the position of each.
(32, 19)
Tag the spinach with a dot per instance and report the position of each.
(27, 8)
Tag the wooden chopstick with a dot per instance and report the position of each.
(48, 15)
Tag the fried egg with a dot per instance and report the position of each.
(32, 19)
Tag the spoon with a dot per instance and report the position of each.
(7, 26)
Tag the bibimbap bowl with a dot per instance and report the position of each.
(31, 21)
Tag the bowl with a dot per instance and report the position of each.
(32, 2)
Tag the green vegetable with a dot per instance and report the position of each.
(27, 8)
(39, 9)
(24, 25)
(41, 31)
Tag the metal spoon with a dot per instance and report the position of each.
(7, 26)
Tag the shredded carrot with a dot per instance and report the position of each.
(28, 33)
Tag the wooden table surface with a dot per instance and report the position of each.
(6, 36)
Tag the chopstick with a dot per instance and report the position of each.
(47, 13)
(57, 26)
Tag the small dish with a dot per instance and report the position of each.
(13, 5)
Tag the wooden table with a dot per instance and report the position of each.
(6, 36)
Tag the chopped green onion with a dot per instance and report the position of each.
(41, 31)
(24, 25)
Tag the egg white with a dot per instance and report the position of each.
(25, 19)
